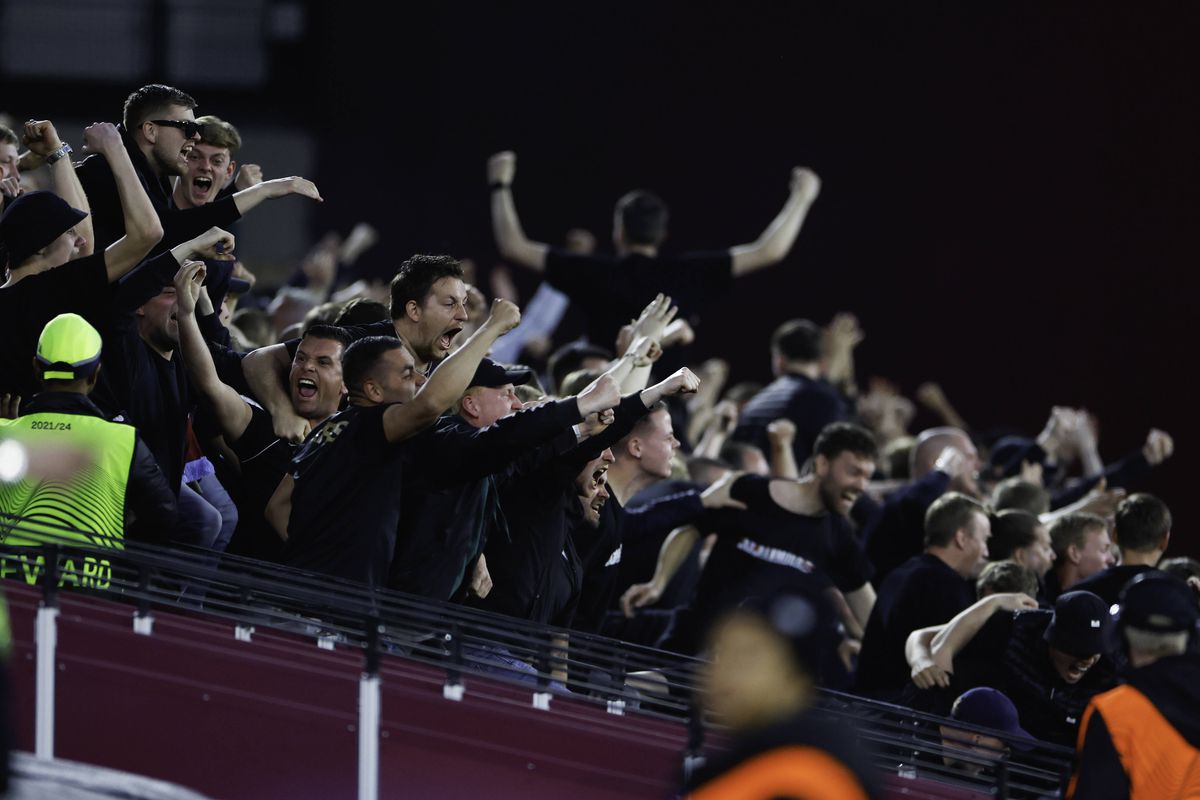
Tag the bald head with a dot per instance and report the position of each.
(933, 443)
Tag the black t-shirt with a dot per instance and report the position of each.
(612, 290)
(346, 502)
(79, 287)
(1108, 583)
(264, 459)
(921, 592)
(766, 546)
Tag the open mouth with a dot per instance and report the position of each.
(850, 498)
(306, 388)
(1077, 671)
(202, 184)
(446, 338)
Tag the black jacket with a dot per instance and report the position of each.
(538, 496)
(455, 503)
(179, 225)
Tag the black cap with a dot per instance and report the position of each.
(491, 375)
(1081, 625)
(1158, 603)
(32, 221)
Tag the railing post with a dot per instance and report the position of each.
(143, 620)
(453, 688)
(368, 717)
(693, 757)
(47, 645)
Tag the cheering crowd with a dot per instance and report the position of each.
(415, 436)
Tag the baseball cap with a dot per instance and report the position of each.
(68, 349)
(1159, 603)
(1081, 625)
(490, 374)
(34, 220)
(990, 708)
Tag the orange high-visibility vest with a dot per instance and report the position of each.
(1160, 763)
(792, 771)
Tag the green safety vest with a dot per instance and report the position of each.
(88, 506)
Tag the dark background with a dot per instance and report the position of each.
(1008, 194)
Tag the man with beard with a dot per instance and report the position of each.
(159, 130)
(429, 309)
(787, 528)
(339, 507)
(926, 590)
(146, 385)
(316, 388)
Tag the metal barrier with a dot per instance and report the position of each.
(546, 662)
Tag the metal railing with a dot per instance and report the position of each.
(619, 677)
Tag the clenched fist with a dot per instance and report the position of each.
(805, 183)
(504, 317)
(502, 167)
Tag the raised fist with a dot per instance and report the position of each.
(504, 317)
(101, 137)
(41, 138)
(603, 394)
(782, 430)
(502, 167)
(248, 175)
(683, 381)
(1159, 447)
(805, 182)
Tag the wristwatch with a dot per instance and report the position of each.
(62, 150)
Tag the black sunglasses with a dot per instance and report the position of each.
(190, 127)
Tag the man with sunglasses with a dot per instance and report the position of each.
(159, 131)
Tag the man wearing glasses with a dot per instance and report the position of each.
(159, 131)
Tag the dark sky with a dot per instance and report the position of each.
(1009, 196)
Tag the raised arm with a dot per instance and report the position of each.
(265, 371)
(781, 234)
(232, 412)
(959, 632)
(510, 237)
(143, 229)
(781, 433)
(42, 140)
(250, 198)
(670, 558)
(451, 378)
